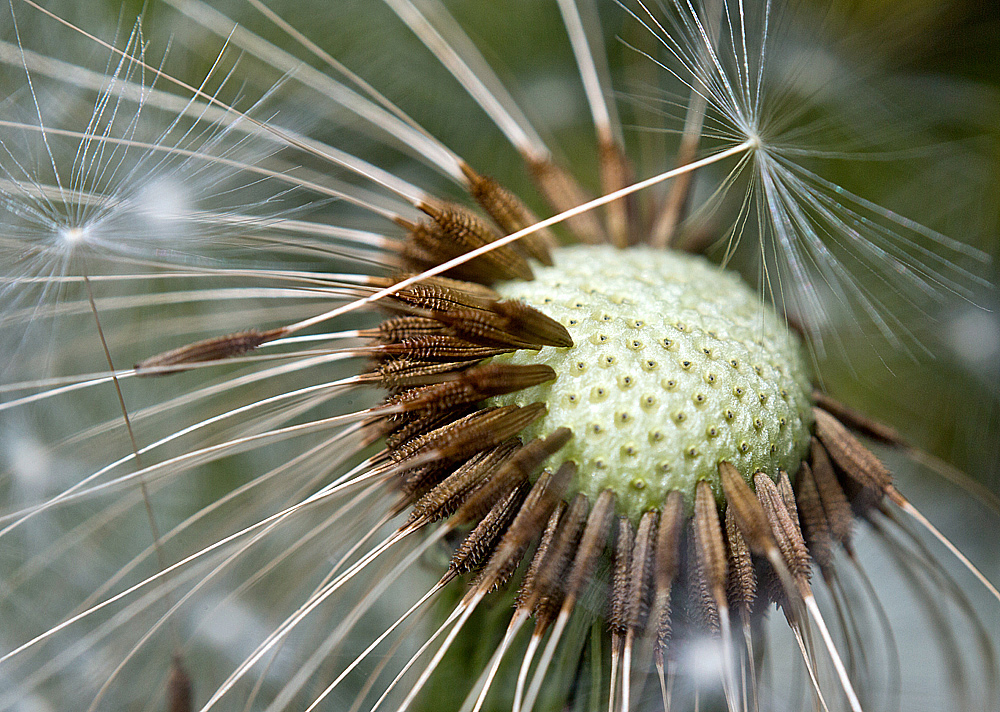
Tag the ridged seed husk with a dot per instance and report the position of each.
(550, 584)
(454, 230)
(864, 473)
(618, 601)
(742, 583)
(475, 550)
(835, 505)
(511, 214)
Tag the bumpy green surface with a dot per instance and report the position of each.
(676, 366)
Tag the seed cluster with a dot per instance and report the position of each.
(635, 406)
(676, 367)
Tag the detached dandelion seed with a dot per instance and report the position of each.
(405, 431)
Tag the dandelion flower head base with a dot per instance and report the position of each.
(677, 366)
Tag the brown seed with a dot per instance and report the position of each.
(831, 494)
(618, 601)
(437, 294)
(455, 230)
(785, 528)
(528, 592)
(399, 374)
(511, 214)
(551, 582)
(510, 323)
(215, 349)
(180, 695)
(481, 542)
(742, 584)
(815, 525)
(532, 324)
(595, 535)
(641, 577)
(747, 511)
(405, 327)
(473, 385)
(445, 498)
(668, 557)
(616, 173)
(854, 460)
(710, 549)
(516, 469)
(484, 429)
(563, 193)
(438, 349)
(540, 502)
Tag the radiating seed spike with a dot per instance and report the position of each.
(702, 606)
(563, 193)
(551, 584)
(856, 421)
(444, 348)
(456, 230)
(668, 547)
(747, 510)
(787, 494)
(445, 498)
(542, 499)
(405, 327)
(518, 468)
(481, 430)
(620, 577)
(407, 428)
(417, 481)
(742, 588)
(474, 385)
(435, 437)
(857, 462)
(815, 525)
(667, 567)
(592, 543)
(497, 379)
(511, 214)
(506, 323)
(405, 373)
(471, 293)
(533, 324)
(476, 549)
(526, 594)
(439, 294)
(835, 504)
(785, 527)
(486, 327)
(214, 349)
(641, 579)
(710, 547)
